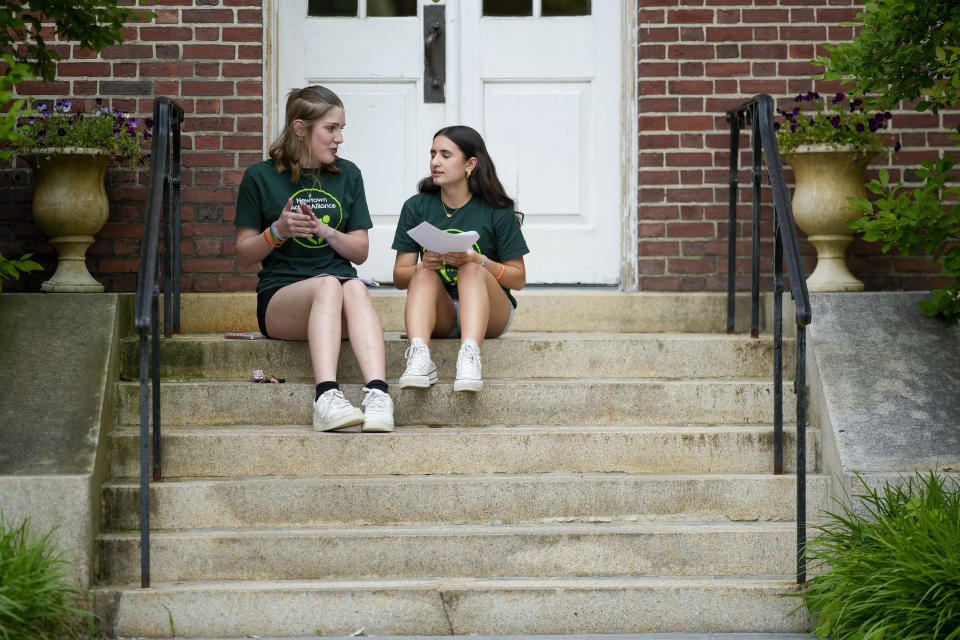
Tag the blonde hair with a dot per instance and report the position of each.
(308, 104)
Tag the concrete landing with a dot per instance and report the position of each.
(594, 636)
(887, 380)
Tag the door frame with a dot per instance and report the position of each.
(629, 278)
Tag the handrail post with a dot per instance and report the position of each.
(759, 115)
(755, 251)
(736, 121)
(147, 317)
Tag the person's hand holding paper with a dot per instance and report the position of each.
(433, 239)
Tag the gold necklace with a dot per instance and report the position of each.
(450, 213)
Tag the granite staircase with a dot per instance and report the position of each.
(615, 475)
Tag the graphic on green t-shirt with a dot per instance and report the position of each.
(451, 273)
(326, 207)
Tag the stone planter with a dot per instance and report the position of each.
(825, 176)
(70, 206)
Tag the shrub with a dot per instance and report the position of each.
(36, 600)
(10, 268)
(890, 569)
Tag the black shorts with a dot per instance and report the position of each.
(263, 299)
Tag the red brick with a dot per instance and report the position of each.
(687, 159)
(660, 69)
(764, 51)
(250, 17)
(242, 106)
(691, 123)
(728, 16)
(251, 88)
(203, 159)
(166, 69)
(166, 34)
(210, 51)
(729, 34)
(247, 52)
(650, 16)
(727, 69)
(663, 34)
(659, 248)
(207, 34)
(658, 212)
(689, 195)
(690, 52)
(243, 143)
(207, 88)
(658, 141)
(692, 34)
(652, 123)
(207, 15)
(691, 265)
(779, 16)
(836, 15)
(650, 267)
(803, 33)
(242, 34)
(648, 177)
(690, 16)
(666, 105)
(242, 69)
(75, 69)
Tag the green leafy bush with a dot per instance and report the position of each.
(13, 268)
(43, 128)
(891, 568)
(36, 599)
(923, 220)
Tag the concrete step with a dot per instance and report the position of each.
(254, 450)
(539, 309)
(455, 551)
(559, 401)
(464, 499)
(515, 355)
(452, 606)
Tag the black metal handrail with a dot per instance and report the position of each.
(758, 113)
(164, 192)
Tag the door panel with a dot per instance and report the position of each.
(543, 90)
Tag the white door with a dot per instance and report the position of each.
(540, 80)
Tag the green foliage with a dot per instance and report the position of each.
(924, 220)
(36, 599)
(833, 121)
(13, 268)
(93, 24)
(113, 132)
(892, 569)
(905, 50)
(16, 72)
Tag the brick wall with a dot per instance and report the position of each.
(205, 54)
(697, 58)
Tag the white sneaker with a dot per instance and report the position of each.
(332, 411)
(378, 415)
(421, 372)
(468, 368)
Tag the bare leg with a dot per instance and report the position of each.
(484, 307)
(310, 310)
(429, 310)
(364, 330)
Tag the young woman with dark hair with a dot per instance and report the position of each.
(303, 215)
(463, 295)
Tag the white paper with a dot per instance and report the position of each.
(433, 239)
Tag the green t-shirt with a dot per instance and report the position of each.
(500, 236)
(336, 198)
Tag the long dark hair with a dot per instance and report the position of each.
(483, 180)
(308, 104)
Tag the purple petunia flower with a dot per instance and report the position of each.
(61, 132)
(116, 132)
(897, 146)
(837, 99)
(799, 98)
(887, 115)
(41, 135)
(835, 121)
(99, 101)
(148, 123)
(793, 127)
(812, 95)
(860, 127)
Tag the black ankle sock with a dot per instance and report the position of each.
(325, 386)
(379, 385)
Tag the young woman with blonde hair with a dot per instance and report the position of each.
(303, 215)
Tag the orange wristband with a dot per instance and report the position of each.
(266, 236)
(499, 273)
